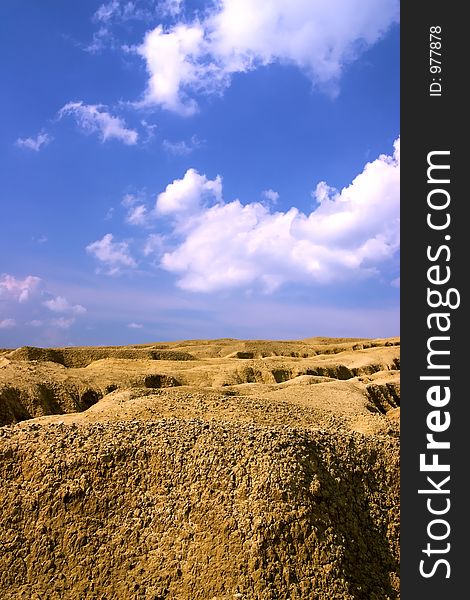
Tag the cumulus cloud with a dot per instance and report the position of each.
(186, 196)
(237, 36)
(348, 234)
(7, 323)
(114, 255)
(42, 139)
(59, 304)
(91, 118)
(174, 64)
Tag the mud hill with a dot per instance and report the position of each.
(212, 470)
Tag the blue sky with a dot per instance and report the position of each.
(175, 170)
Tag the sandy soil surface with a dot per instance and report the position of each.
(220, 469)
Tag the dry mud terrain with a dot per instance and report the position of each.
(211, 470)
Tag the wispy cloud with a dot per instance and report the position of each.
(106, 12)
(137, 215)
(172, 8)
(154, 245)
(40, 141)
(93, 118)
(136, 210)
(119, 11)
(135, 325)
(114, 255)
(35, 323)
(116, 12)
(149, 129)
(30, 303)
(101, 38)
(183, 147)
(129, 200)
(270, 196)
(7, 323)
(109, 214)
(63, 322)
(42, 239)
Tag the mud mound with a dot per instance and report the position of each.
(35, 382)
(83, 356)
(199, 470)
(251, 349)
(385, 394)
(44, 398)
(191, 510)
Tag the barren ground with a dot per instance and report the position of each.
(212, 470)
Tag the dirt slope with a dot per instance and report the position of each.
(213, 470)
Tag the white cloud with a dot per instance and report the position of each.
(40, 240)
(107, 11)
(42, 139)
(270, 196)
(30, 303)
(149, 129)
(182, 148)
(319, 37)
(137, 215)
(125, 10)
(135, 325)
(113, 14)
(60, 304)
(174, 63)
(7, 324)
(187, 195)
(154, 244)
(171, 8)
(35, 323)
(19, 289)
(113, 254)
(101, 39)
(92, 119)
(129, 200)
(63, 322)
(350, 234)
